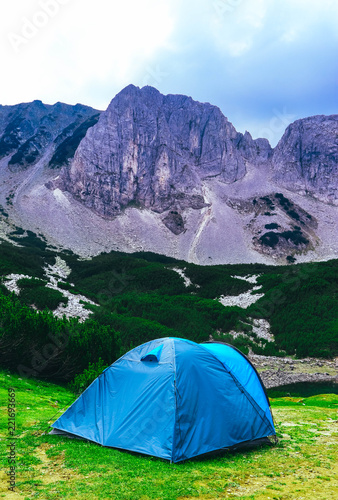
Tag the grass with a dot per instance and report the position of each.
(302, 465)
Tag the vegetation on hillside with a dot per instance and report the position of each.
(140, 297)
(34, 292)
(40, 345)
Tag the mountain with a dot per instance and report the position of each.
(306, 158)
(155, 151)
(170, 175)
(27, 131)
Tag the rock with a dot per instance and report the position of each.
(154, 151)
(274, 376)
(153, 159)
(253, 150)
(306, 158)
(28, 130)
(174, 221)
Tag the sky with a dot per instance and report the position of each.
(264, 63)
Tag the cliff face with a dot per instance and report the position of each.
(170, 175)
(154, 151)
(27, 130)
(306, 158)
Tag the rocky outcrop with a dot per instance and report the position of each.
(169, 175)
(27, 130)
(279, 227)
(255, 151)
(174, 221)
(155, 151)
(306, 158)
(278, 371)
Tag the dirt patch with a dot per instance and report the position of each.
(4, 492)
(51, 469)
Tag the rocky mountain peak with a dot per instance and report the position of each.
(306, 158)
(155, 151)
(168, 174)
(29, 130)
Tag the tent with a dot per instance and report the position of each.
(174, 399)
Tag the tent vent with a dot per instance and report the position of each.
(153, 355)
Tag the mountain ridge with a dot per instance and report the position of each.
(171, 175)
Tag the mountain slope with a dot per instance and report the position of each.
(268, 309)
(27, 130)
(170, 175)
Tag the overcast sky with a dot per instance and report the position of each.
(265, 63)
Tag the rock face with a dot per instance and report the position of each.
(27, 130)
(170, 175)
(306, 158)
(154, 151)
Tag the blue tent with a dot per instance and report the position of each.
(174, 399)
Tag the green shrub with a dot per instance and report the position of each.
(273, 225)
(269, 239)
(34, 292)
(293, 214)
(295, 236)
(67, 286)
(31, 283)
(38, 344)
(301, 303)
(84, 379)
(214, 281)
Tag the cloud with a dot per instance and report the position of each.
(259, 59)
(252, 58)
(82, 44)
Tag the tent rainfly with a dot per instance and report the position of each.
(173, 399)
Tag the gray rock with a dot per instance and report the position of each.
(152, 161)
(306, 158)
(155, 151)
(252, 150)
(27, 130)
(174, 221)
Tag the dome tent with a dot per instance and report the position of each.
(173, 399)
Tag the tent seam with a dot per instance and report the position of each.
(255, 370)
(251, 400)
(253, 403)
(175, 397)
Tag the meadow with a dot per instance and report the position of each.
(304, 463)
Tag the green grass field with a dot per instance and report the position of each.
(302, 465)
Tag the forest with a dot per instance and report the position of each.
(141, 296)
